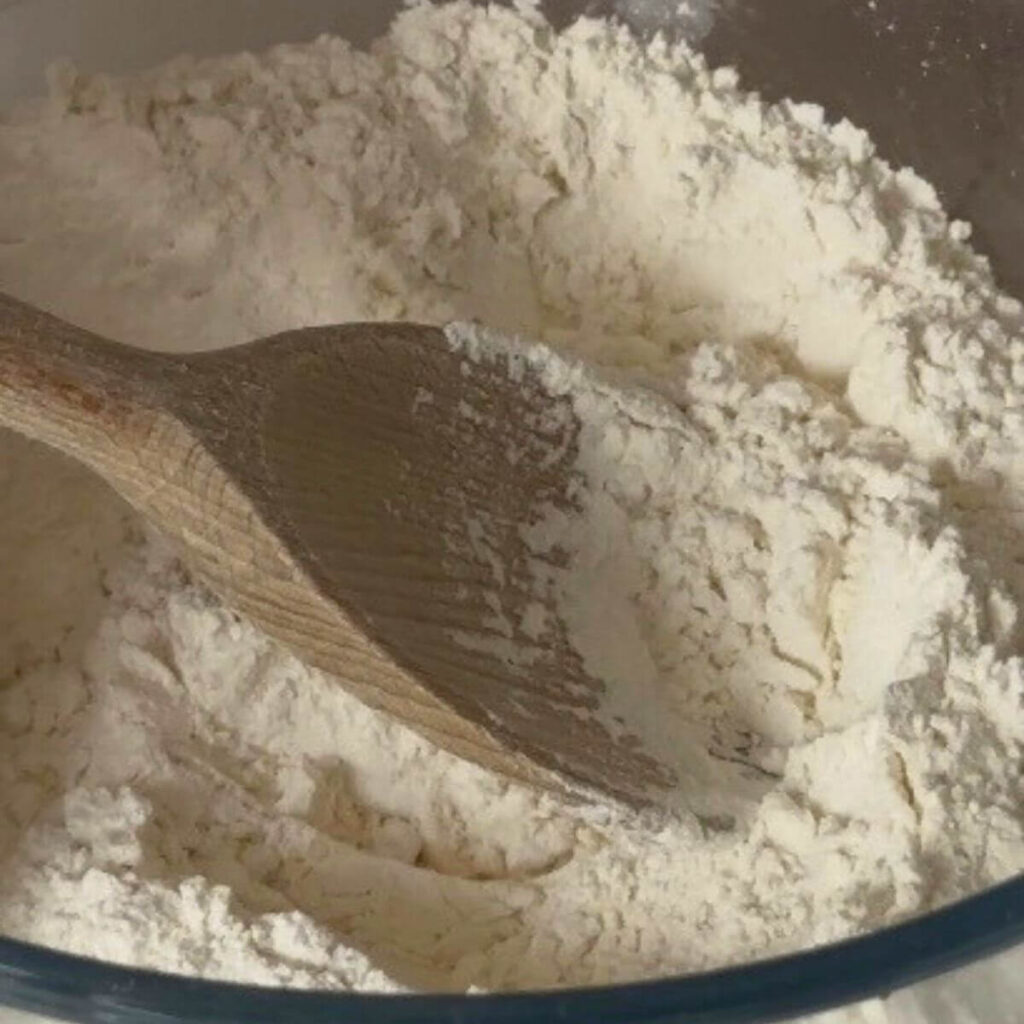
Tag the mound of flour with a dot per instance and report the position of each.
(801, 522)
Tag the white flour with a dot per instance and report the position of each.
(809, 544)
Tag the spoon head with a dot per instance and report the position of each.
(403, 477)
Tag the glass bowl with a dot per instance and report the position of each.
(940, 86)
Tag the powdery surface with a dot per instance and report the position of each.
(826, 584)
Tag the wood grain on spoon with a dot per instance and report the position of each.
(327, 483)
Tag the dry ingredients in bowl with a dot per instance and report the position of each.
(812, 540)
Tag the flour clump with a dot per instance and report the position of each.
(801, 463)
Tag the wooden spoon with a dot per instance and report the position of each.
(358, 492)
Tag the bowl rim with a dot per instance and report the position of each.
(39, 980)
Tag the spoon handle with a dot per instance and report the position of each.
(74, 390)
